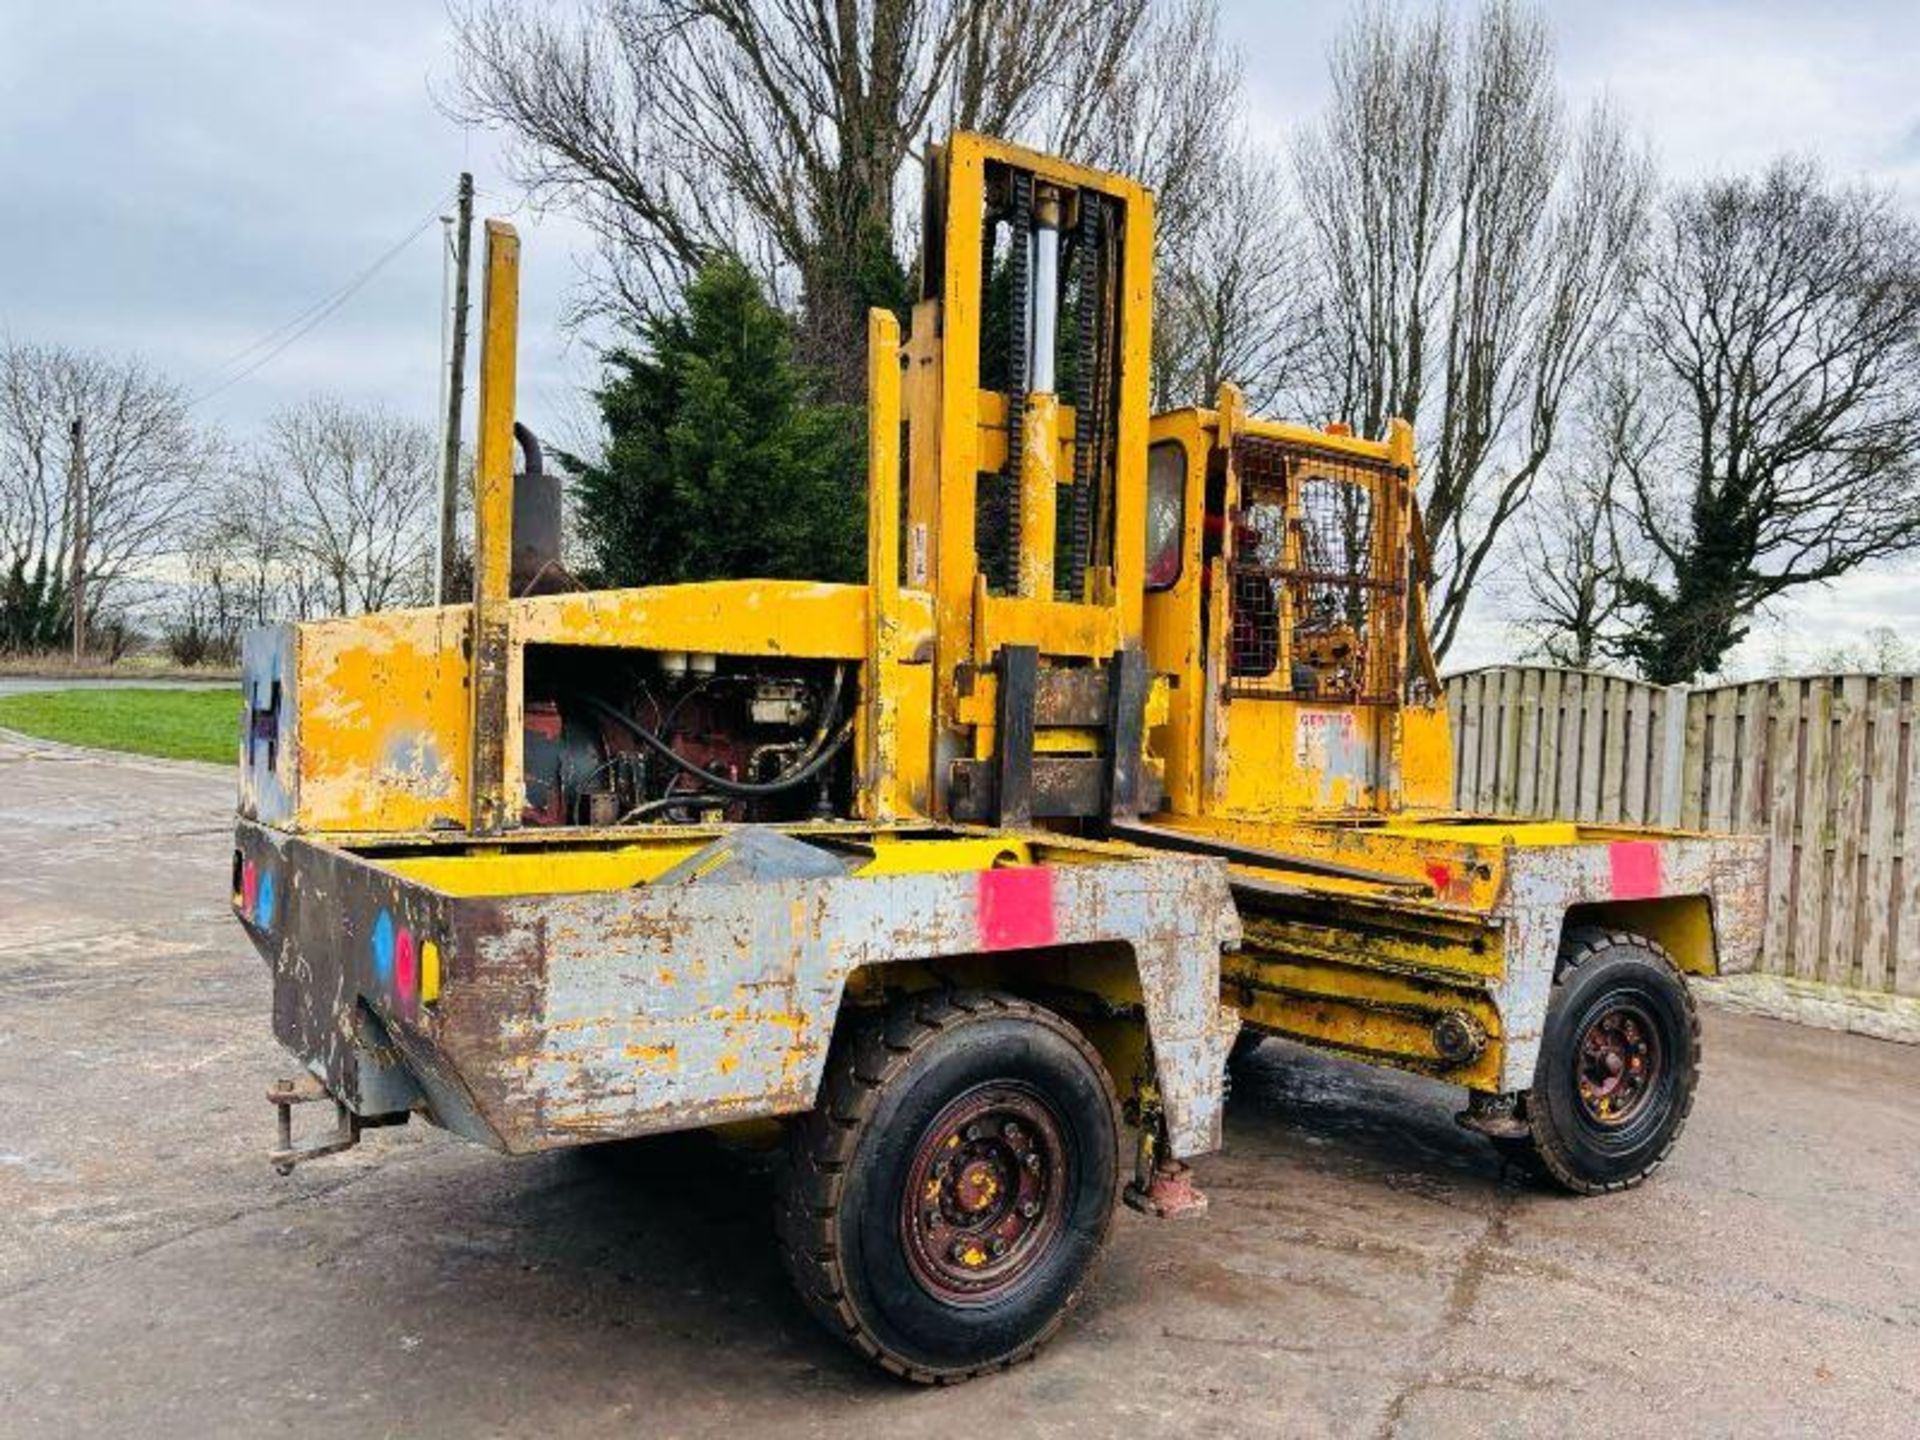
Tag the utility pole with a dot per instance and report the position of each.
(77, 509)
(431, 575)
(456, 380)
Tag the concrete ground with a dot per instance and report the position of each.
(1366, 1268)
(33, 684)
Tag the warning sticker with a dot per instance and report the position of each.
(1325, 740)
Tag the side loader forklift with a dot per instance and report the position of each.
(969, 875)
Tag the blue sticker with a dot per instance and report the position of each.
(383, 948)
(263, 906)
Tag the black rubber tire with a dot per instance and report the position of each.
(1599, 968)
(888, 1078)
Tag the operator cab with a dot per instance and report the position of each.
(1285, 598)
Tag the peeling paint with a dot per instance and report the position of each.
(570, 1017)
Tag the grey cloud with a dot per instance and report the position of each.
(182, 179)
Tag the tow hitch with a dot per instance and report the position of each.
(283, 1095)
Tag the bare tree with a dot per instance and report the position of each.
(144, 462)
(1149, 95)
(242, 567)
(1471, 250)
(1782, 313)
(1577, 542)
(359, 518)
(1229, 303)
(1880, 650)
(781, 131)
(1375, 177)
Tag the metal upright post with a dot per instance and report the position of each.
(456, 380)
(493, 527)
(77, 510)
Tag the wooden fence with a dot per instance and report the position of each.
(1824, 765)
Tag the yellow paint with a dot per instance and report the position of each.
(712, 863)
(933, 857)
(1426, 756)
(385, 718)
(1172, 627)
(1399, 945)
(1039, 494)
(1683, 927)
(429, 972)
(1067, 740)
(1522, 833)
(666, 1055)
(493, 452)
(1233, 752)
(880, 731)
(382, 738)
(493, 699)
(993, 432)
(965, 428)
(803, 619)
(1057, 627)
(571, 872)
(1401, 853)
(1340, 1019)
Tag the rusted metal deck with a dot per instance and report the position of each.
(626, 996)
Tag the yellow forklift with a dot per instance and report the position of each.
(969, 872)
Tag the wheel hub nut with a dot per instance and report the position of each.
(1459, 1038)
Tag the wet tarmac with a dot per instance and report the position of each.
(1367, 1268)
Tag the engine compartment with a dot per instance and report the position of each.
(627, 737)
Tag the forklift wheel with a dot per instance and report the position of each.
(1618, 1063)
(942, 1205)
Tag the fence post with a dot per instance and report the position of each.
(1673, 756)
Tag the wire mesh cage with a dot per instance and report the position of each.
(1318, 575)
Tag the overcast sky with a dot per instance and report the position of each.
(183, 179)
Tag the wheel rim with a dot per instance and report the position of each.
(1619, 1065)
(985, 1196)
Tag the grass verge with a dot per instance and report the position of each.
(171, 724)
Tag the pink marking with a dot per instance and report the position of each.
(249, 886)
(406, 971)
(1636, 869)
(1014, 907)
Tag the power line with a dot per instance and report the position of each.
(276, 341)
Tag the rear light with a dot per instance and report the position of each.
(429, 973)
(406, 966)
(255, 894)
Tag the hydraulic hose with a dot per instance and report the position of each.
(823, 749)
(667, 802)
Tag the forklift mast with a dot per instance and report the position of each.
(1113, 594)
(1025, 401)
